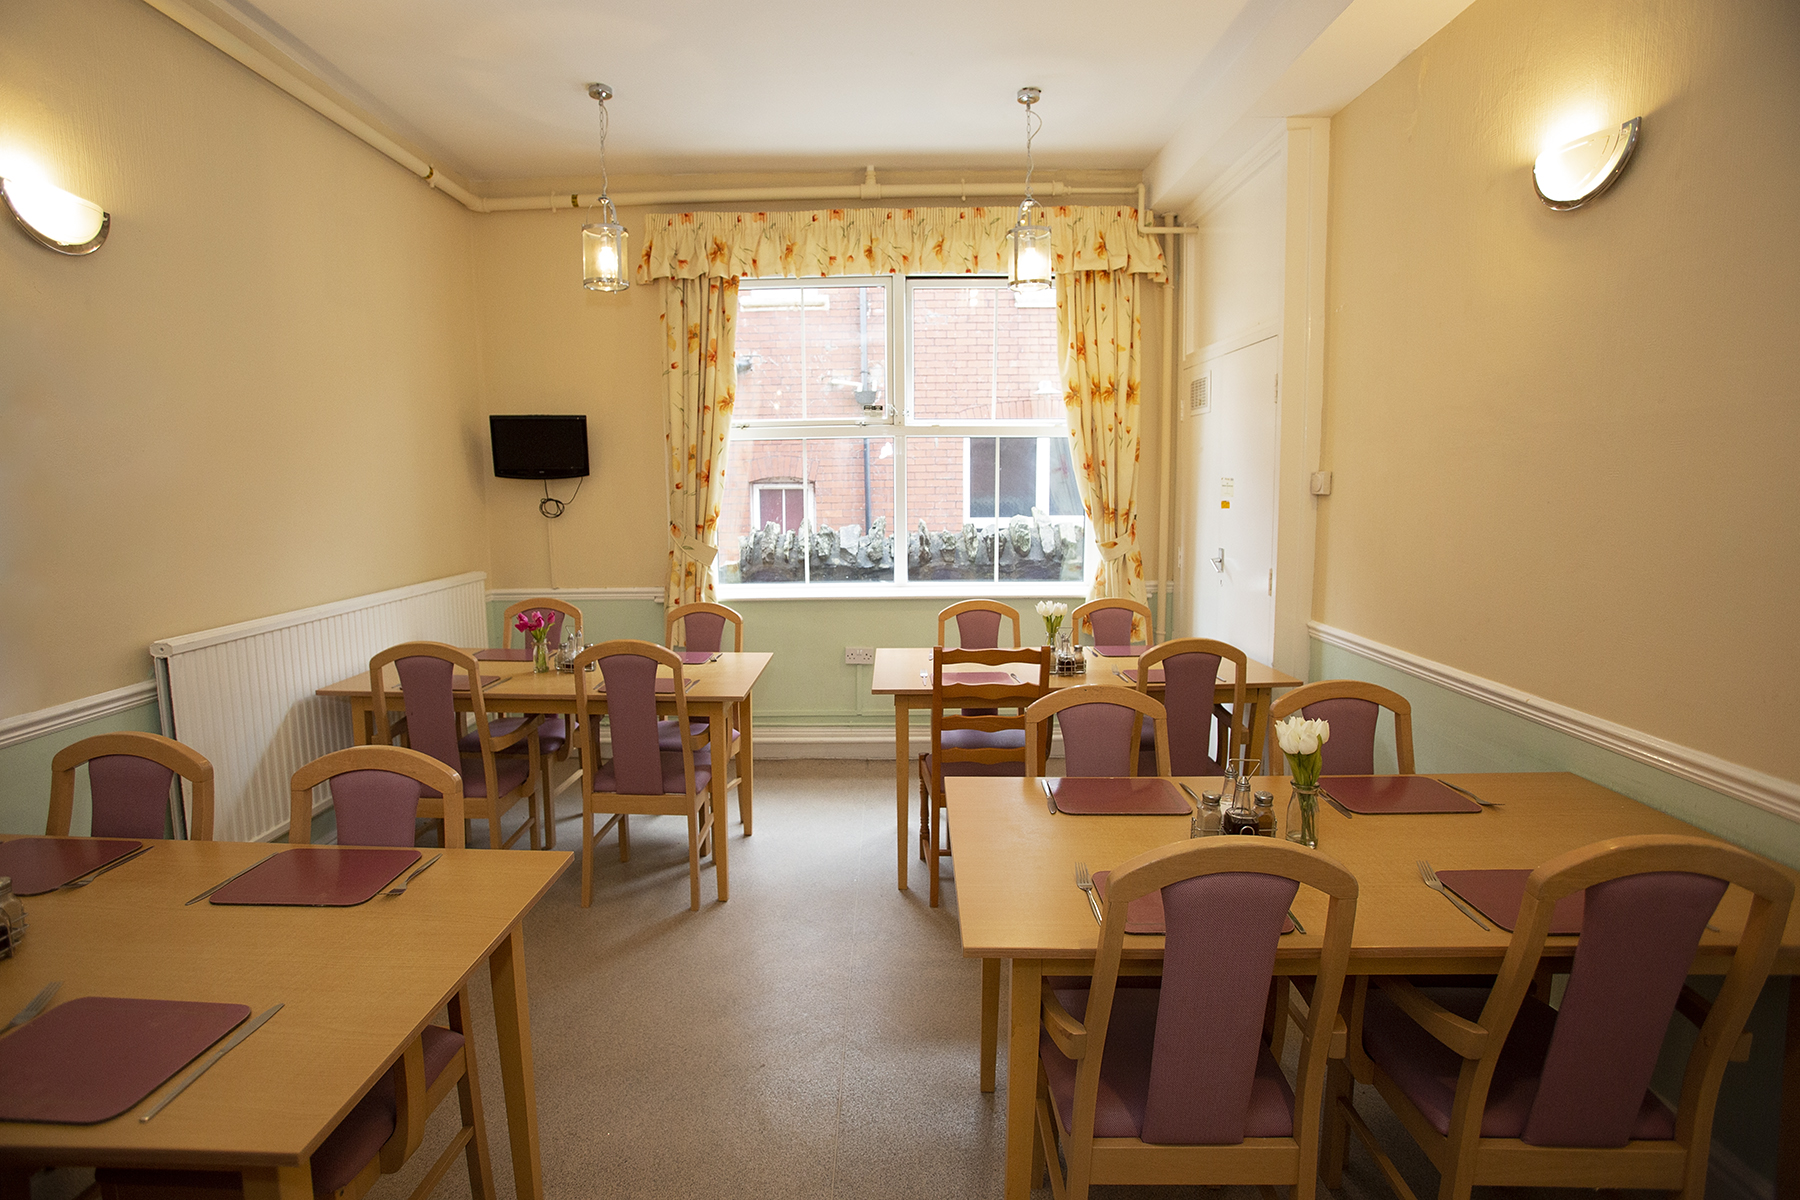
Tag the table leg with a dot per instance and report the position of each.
(746, 758)
(902, 760)
(719, 727)
(990, 1020)
(278, 1183)
(1259, 700)
(1021, 1075)
(1787, 1163)
(362, 720)
(512, 1022)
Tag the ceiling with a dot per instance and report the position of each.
(497, 93)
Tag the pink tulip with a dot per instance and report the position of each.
(531, 622)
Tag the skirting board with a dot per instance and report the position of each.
(1756, 788)
(26, 726)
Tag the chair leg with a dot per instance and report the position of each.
(534, 813)
(481, 1165)
(624, 838)
(693, 860)
(924, 812)
(587, 854)
(931, 849)
(1334, 1144)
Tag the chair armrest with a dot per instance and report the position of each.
(1300, 1009)
(1460, 1034)
(1697, 1008)
(409, 1109)
(1069, 1034)
(518, 735)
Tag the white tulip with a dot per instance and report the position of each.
(1297, 735)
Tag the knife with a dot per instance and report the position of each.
(255, 1024)
(1336, 803)
(215, 887)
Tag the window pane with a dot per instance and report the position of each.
(945, 538)
(823, 508)
(1065, 491)
(811, 353)
(977, 355)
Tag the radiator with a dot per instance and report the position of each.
(242, 695)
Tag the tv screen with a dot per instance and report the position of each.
(540, 446)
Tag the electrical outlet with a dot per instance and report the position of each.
(858, 655)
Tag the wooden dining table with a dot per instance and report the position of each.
(720, 694)
(357, 985)
(905, 674)
(1017, 901)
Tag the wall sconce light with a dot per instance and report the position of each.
(605, 257)
(60, 220)
(1569, 175)
(1029, 243)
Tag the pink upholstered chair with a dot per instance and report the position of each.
(129, 776)
(1190, 668)
(975, 741)
(703, 628)
(555, 739)
(1498, 1088)
(978, 623)
(1112, 621)
(1352, 708)
(555, 611)
(1132, 1090)
(1099, 727)
(376, 790)
(494, 782)
(641, 777)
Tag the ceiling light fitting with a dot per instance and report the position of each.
(60, 220)
(1028, 243)
(605, 259)
(1569, 175)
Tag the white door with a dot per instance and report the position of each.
(1234, 542)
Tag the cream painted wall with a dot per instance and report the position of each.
(258, 395)
(1565, 444)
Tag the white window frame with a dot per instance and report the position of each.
(897, 421)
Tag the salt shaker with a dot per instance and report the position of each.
(1265, 813)
(1207, 816)
(12, 919)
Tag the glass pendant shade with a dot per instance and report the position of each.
(1028, 247)
(605, 256)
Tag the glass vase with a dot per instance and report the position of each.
(540, 656)
(1303, 816)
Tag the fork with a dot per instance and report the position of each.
(408, 880)
(117, 862)
(37, 1005)
(1432, 881)
(1085, 882)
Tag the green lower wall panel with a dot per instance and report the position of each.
(25, 770)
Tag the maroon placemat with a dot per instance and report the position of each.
(1130, 675)
(1131, 651)
(521, 654)
(1145, 914)
(665, 686)
(318, 876)
(43, 864)
(1377, 795)
(460, 683)
(694, 658)
(91, 1058)
(974, 678)
(1499, 892)
(1083, 796)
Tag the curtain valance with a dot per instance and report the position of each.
(886, 241)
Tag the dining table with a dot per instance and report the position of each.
(356, 984)
(720, 694)
(905, 674)
(1018, 902)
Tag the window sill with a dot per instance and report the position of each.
(1046, 590)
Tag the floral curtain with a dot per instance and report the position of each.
(1097, 324)
(699, 317)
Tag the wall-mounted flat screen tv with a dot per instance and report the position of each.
(539, 446)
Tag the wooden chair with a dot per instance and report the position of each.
(129, 776)
(1195, 1096)
(1112, 621)
(982, 741)
(1190, 669)
(1498, 1088)
(978, 623)
(1351, 707)
(703, 631)
(555, 738)
(556, 611)
(1100, 725)
(493, 782)
(641, 776)
(377, 790)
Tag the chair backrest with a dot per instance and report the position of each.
(628, 670)
(1215, 982)
(1351, 707)
(978, 623)
(1113, 621)
(703, 627)
(375, 791)
(1190, 681)
(426, 671)
(1001, 703)
(1100, 725)
(555, 611)
(129, 776)
(1648, 902)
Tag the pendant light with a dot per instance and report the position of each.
(605, 260)
(1028, 244)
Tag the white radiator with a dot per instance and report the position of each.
(242, 695)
